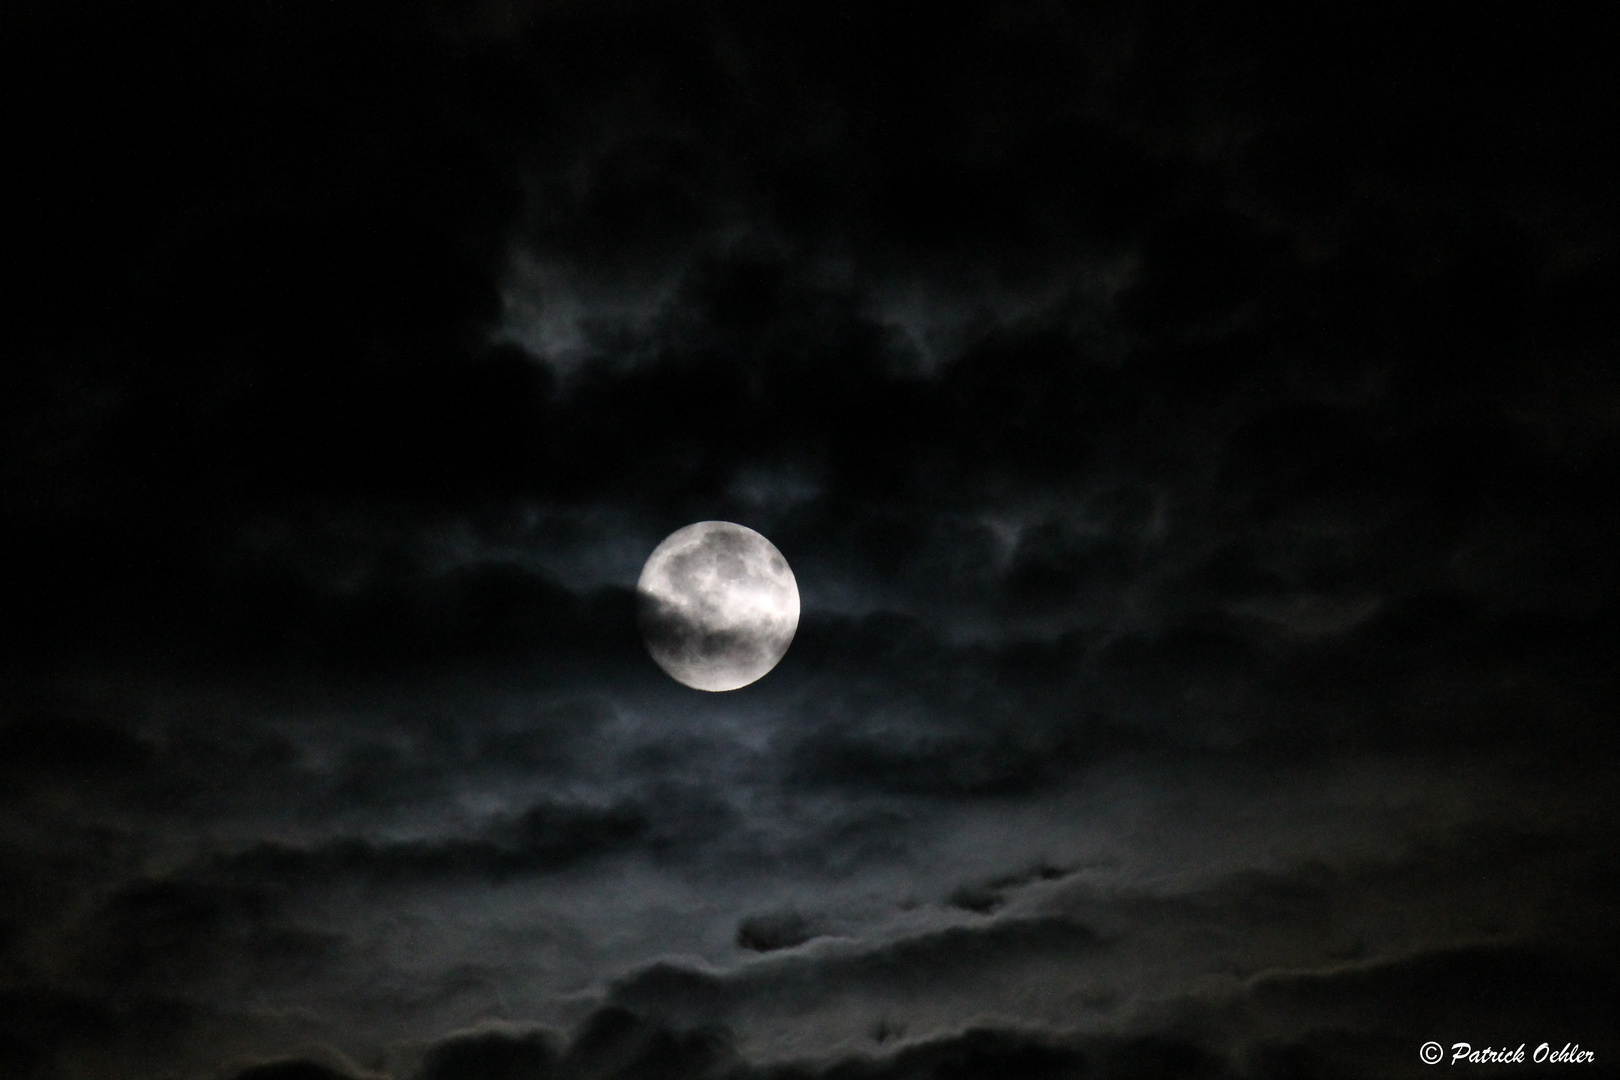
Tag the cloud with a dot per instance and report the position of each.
(618, 1045)
(492, 1055)
(938, 964)
(543, 838)
(292, 1069)
(774, 930)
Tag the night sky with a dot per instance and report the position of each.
(1187, 425)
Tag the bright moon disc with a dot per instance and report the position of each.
(718, 605)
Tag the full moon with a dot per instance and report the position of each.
(718, 605)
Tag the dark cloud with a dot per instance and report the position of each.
(774, 930)
(987, 896)
(900, 970)
(492, 1056)
(542, 838)
(1355, 1010)
(290, 1070)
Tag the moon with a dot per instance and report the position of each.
(718, 605)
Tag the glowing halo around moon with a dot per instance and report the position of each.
(718, 605)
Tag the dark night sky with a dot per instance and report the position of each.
(1187, 425)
